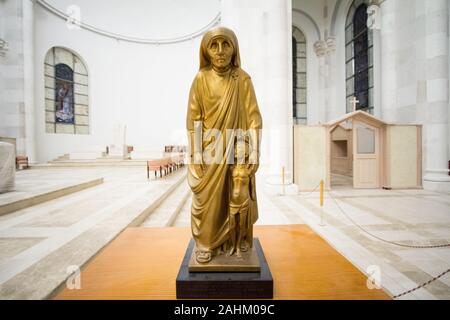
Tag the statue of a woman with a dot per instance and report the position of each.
(221, 101)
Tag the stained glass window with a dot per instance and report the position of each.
(64, 94)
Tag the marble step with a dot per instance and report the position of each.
(166, 213)
(183, 218)
(91, 163)
(24, 197)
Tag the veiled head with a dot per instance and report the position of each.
(219, 48)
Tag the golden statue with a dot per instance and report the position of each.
(240, 226)
(223, 119)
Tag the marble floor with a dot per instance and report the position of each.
(410, 217)
(40, 243)
(351, 218)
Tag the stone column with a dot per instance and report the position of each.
(320, 49)
(16, 76)
(28, 79)
(448, 120)
(436, 130)
(331, 111)
(325, 52)
(388, 64)
(264, 32)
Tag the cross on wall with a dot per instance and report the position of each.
(354, 102)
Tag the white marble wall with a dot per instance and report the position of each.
(264, 31)
(411, 69)
(437, 79)
(312, 36)
(334, 18)
(142, 86)
(313, 18)
(16, 75)
(415, 73)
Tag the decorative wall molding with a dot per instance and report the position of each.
(3, 47)
(320, 48)
(374, 17)
(44, 4)
(331, 45)
(325, 47)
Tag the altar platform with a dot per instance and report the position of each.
(143, 263)
(33, 187)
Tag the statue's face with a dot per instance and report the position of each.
(220, 51)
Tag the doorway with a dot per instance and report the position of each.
(341, 162)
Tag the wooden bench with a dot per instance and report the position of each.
(167, 165)
(155, 165)
(164, 165)
(22, 162)
(178, 160)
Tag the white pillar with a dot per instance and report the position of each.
(28, 70)
(320, 49)
(264, 33)
(388, 61)
(16, 76)
(448, 87)
(331, 107)
(436, 128)
(325, 51)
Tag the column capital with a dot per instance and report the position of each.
(331, 45)
(325, 47)
(320, 48)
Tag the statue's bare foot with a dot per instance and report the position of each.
(244, 246)
(230, 253)
(239, 254)
(203, 256)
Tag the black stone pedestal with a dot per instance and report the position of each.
(225, 285)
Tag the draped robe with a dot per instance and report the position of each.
(221, 102)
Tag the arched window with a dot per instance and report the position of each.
(359, 58)
(299, 85)
(66, 93)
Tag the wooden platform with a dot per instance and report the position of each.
(142, 263)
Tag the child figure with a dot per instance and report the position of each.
(239, 203)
